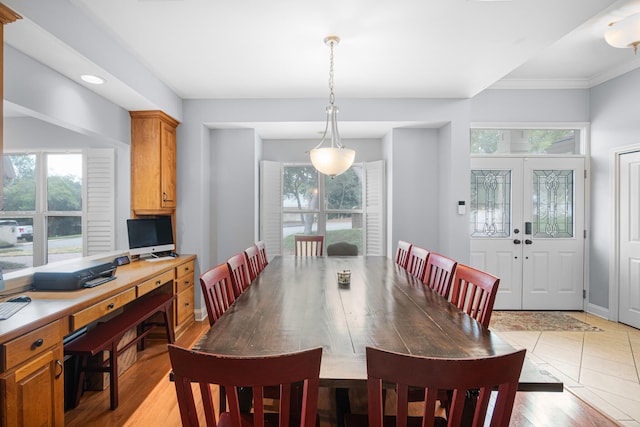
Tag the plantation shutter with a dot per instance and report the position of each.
(374, 213)
(271, 207)
(98, 210)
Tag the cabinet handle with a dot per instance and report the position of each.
(37, 343)
(186, 282)
(158, 282)
(110, 306)
(187, 305)
(164, 196)
(61, 366)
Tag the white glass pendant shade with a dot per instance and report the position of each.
(624, 33)
(332, 161)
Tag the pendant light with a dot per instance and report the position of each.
(334, 159)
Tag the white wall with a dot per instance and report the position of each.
(234, 196)
(297, 151)
(615, 123)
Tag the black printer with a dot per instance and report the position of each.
(72, 276)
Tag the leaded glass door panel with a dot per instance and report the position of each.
(526, 227)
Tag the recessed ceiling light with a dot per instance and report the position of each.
(94, 80)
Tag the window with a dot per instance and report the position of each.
(48, 200)
(296, 199)
(525, 141)
(317, 204)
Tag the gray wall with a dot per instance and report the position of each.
(615, 123)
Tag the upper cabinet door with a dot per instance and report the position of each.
(153, 162)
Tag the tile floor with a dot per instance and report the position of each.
(602, 368)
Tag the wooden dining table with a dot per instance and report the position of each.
(296, 303)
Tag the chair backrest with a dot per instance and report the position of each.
(439, 273)
(191, 367)
(253, 261)
(436, 374)
(474, 292)
(239, 273)
(308, 245)
(418, 261)
(262, 248)
(402, 253)
(217, 289)
(342, 249)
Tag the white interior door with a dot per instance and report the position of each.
(629, 240)
(527, 222)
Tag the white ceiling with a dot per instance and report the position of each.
(204, 49)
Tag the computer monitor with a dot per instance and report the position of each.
(148, 236)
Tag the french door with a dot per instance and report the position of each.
(527, 228)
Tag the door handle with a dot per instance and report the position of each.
(528, 242)
(517, 241)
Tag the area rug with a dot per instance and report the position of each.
(508, 321)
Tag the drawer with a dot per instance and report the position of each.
(98, 310)
(186, 268)
(184, 306)
(31, 344)
(184, 282)
(151, 284)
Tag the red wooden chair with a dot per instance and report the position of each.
(439, 273)
(308, 245)
(191, 367)
(262, 248)
(479, 376)
(402, 253)
(252, 254)
(474, 292)
(418, 262)
(239, 273)
(217, 290)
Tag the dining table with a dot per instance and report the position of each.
(297, 303)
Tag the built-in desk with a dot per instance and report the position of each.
(31, 341)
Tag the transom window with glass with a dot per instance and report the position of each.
(315, 204)
(525, 141)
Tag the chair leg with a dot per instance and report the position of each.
(343, 406)
(169, 326)
(113, 375)
(80, 373)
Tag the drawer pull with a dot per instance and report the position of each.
(157, 282)
(61, 366)
(110, 306)
(186, 282)
(187, 305)
(37, 343)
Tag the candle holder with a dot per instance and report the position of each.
(344, 277)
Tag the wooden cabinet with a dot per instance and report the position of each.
(32, 388)
(153, 163)
(184, 290)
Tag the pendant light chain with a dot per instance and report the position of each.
(331, 96)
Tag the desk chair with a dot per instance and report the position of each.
(474, 292)
(239, 273)
(417, 262)
(342, 249)
(308, 245)
(402, 253)
(439, 273)
(460, 376)
(256, 372)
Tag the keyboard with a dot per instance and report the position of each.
(8, 309)
(98, 281)
(160, 258)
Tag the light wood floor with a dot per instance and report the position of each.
(148, 398)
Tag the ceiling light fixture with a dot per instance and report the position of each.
(335, 159)
(624, 33)
(94, 80)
